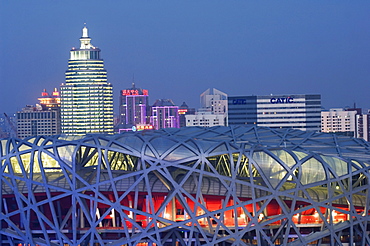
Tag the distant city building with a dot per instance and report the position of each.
(165, 114)
(4, 132)
(349, 122)
(214, 100)
(184, 110)
(276, 111)
(8, 126)
(48, 101)
(366, 126)
(338, 120)
(206, 119)
(212, 111)
(42, 119)
(86, 96)
(134, 106)
(363, 129)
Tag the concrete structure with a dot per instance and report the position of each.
(338, 120)
(134, 106)
(206, 119)
(86, 96)
(212, 111)
(363, 125)
(277, 111)
(164, 114)
(349, 121)
(214, 186)
(214, 100)
(42, 119)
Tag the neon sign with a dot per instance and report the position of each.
(183, 111)
(134, 92)
(142, 127)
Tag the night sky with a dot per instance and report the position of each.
(178, 49)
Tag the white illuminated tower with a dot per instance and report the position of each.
(86, 96)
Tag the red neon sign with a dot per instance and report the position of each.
(134, 92)
(182, 111)
(130, 92)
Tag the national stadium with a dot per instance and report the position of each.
(235, 185)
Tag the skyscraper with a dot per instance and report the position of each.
(134, 107)
(86, 96)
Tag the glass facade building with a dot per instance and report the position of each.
(86, 96)
(301, 112)
(242, 110)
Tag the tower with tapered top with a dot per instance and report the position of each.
(86, 95)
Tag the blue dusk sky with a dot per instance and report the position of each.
(178, 49)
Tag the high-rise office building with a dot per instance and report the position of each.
(165, 114)
(86, 96)
(277, 111)
(42, 119)
(134, 106)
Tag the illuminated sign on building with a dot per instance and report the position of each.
(240, 101)
(142, 127)
(281, 100)
(183, 111)
(134, 92)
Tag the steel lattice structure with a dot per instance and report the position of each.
(189, 186)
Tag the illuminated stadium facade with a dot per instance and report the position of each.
(190, 186)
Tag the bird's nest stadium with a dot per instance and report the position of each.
(191, 186)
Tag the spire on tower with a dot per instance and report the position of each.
(85, 31)
(85, 39)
